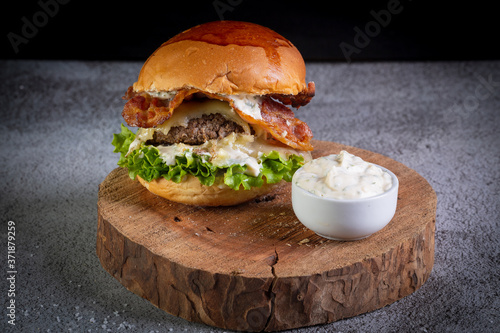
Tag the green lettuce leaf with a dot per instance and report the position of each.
(147, 163)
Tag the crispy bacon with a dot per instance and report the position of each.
(281, 123)
(143, 110)
(129, 94)
(301, 99)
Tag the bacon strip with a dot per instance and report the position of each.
(143, 110)
(301, 99)
(281, 123)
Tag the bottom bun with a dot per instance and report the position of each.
(191, 192)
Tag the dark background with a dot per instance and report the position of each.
(96, 30)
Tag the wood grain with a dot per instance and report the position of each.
(255, 267)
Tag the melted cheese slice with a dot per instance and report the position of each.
(190, 110)
(187, 111)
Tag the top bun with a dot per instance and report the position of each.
(225, 57)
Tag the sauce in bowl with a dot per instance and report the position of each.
(343, 176)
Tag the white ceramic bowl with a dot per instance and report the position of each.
(345, 219)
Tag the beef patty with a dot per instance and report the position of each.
(198, 131)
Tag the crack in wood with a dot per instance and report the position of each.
(157, 286)
(270, 291)
(265, 198)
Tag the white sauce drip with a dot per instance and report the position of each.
(242, 149)
(235, 148)
(248, 104)
(342, 176)
(163, 94)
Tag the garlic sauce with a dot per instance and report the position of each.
(342, 176)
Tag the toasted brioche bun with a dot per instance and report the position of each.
(191, 192)
(225, 57)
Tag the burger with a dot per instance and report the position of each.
(213, 107)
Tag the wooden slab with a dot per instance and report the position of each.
(254, 266)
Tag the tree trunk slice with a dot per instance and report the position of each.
(254, 266)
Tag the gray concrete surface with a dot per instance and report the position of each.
(56, 125)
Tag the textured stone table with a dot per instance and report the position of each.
(57, 120)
